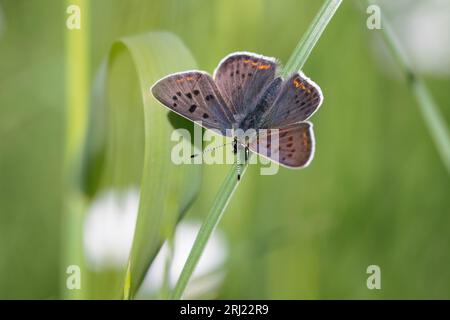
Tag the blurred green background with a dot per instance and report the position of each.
(376, 192)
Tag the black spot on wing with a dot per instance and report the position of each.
(192, 108)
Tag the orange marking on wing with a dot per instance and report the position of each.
(256, 64)
(307, 89)
(301, 85)
(190, 78)
(264, 66)
(305, 139)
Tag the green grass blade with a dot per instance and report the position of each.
(310, 38)
(133, 149)
(434, 120)
(296, 62)
(429, 109)
(163, 183)
(77, 88)
(221, 201)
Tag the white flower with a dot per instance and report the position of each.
(109, 229)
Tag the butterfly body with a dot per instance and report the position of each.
(246, 93)
(255, 118)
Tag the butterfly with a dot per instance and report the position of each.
(244, 93)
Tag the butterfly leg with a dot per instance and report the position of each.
(238, 164)
(247, 152)
(235, 145)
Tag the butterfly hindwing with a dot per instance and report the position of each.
(298, 99)
(194, 95)
(242, 78)
(292, 146)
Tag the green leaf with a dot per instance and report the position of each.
(133, 148)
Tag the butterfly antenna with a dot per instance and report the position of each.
(210, 149)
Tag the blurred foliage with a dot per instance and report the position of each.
(376, 192)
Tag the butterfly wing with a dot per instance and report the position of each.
(298, 99)
(242, 78)
(295, 147)
(195, 96)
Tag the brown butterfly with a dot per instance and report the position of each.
(246, 93)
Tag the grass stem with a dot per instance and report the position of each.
(429, 109)
(220, 204)
(311, 37)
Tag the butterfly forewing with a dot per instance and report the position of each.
(242, 78)
(297, 100)
(291, 146)
(194, 95)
